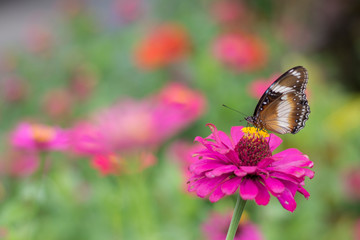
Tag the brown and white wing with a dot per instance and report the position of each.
(283, 108)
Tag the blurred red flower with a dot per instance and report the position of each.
(164, 45)
(240, 51)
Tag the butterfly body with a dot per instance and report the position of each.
(283, 108)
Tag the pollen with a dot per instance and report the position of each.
(255, 132)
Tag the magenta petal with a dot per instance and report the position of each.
(231, 185)
(274, 142)
(208, 186)
(265, 162)
(240, 173)
(248, 189)
(216, 195)
(304, 192)
(236, 133)
(263, 196)
(287, 152)
(249, 169)
(221, 170)
(274, 185)
(287, 200)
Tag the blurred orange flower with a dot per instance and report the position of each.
(166, 44)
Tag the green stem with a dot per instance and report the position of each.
(239, 207)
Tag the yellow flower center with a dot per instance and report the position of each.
(42, 134)
(255, 132)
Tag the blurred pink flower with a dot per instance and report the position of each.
(86, 138)
(245, 161)
(58, 103)
(133, 124)
(167, 44)
(19, 163)
(136, 126)
(351, 182)
(39, 137)
(177, 106)
(112, 164)
(258, 87)
(215, 228)
(240, 51)
(227, 11)
(13, 89)
(128, 10)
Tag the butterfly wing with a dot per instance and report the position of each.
(283, 108)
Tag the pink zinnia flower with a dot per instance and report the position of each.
(39, 137)
(216, 227)
(241, 52)
(245, 161)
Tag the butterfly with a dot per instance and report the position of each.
(283, 108)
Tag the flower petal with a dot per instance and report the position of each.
(274, 142)
(236, 134)
(274, 185)
(208, 185)
(249, 169)
(216, 195)
(248, 189)
(231, 185)
(221, 170)
(287, 200)
(304, 192)
(263, 196)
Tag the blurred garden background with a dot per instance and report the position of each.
(114, 92)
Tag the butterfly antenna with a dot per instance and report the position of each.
(234, 110)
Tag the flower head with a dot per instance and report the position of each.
(39, 137)
(245, 161)
(215, 228)
(166, 44)
(241, 52)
